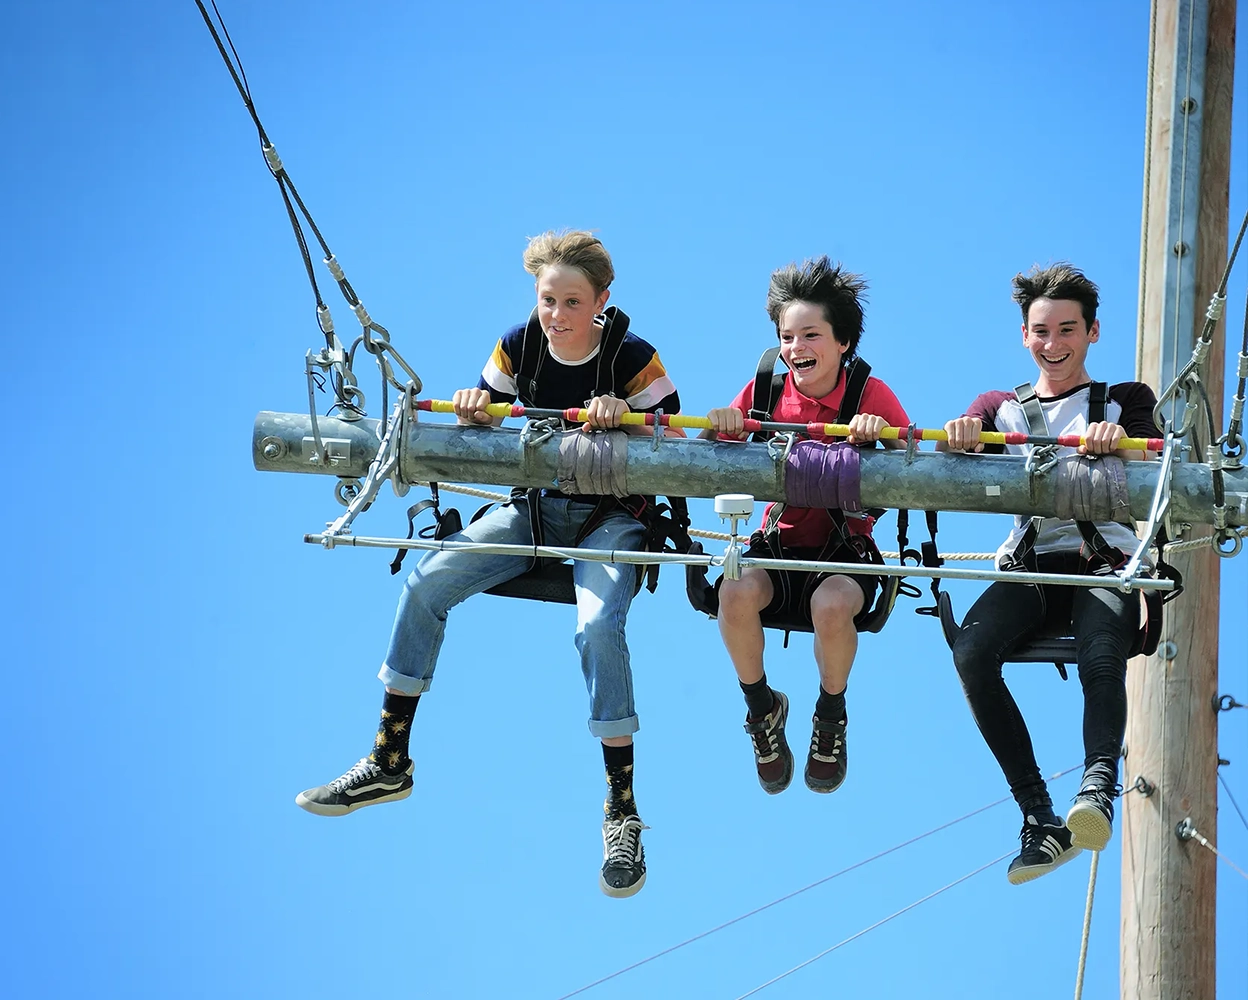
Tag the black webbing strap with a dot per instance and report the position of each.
(534, 348)
(532, 354)
(614, 329)
(856, 374)
(446, 523)
(768, 384)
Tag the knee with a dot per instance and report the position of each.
(747, 596)
(599, 629)
(832, 609)
(975, 667)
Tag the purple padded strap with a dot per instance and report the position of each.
(823, 475)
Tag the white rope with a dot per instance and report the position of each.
(878, 923)
(1199, 543)
(1087, 925)
(720, 536)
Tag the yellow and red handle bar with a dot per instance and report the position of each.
(814, 430)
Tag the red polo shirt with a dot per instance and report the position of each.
(809, 526)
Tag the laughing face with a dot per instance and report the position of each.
(810, 349)
(1058, 338)
(566, 307)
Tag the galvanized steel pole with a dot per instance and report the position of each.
(282, 442)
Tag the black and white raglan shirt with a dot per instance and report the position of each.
(1130, 405)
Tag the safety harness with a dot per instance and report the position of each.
(767, 388)
(1095, 553)
(549, 579)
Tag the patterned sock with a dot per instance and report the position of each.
(758, 697)
(619, 762)
(390, 745)
(831, 707)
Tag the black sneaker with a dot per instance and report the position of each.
(623, 857)
(366, 784)
(1091, 817)
(1044, 849)
(826, 763)
(772, 757)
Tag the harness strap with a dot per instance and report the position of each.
(532, 353)
(534, 349)
(614, 329)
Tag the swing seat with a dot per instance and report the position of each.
(548, 581)
(704, 597)
(1057, 648)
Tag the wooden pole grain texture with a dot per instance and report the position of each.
(1169, 886)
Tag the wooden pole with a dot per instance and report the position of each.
(1169, 886)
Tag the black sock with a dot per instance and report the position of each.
(1040, 806)
(830, 707)
(619, 762)
(390, 746)
(758, 697)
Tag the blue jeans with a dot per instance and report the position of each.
(603, 593)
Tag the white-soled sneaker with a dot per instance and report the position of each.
(366, 784)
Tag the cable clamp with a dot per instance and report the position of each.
(271, 158)
(1217, 305)
(335, 268)
(325, 320)
(362, 315)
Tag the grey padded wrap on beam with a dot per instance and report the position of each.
(593, 464)
(1092, 489)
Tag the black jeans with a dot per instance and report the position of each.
(1007, 615)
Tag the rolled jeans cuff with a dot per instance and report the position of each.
(403, 683)
(617, 727)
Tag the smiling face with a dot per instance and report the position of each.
(810, 348)
(566, 307)
(1058, 338)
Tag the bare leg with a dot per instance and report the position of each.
(740, 605)
(832, 609)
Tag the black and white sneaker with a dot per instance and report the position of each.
(365, 784)
(772, 757)
(1044, 849)
(1091, 817)
(623, 857)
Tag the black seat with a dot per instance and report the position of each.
(704, 596)
(1058, 649)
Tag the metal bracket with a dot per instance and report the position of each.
(1185, 829)
(658, 429)
(912, 444)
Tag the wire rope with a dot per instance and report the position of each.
(1227, 788)
(878, 923)
(805, 888)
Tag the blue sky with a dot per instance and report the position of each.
(181, 664)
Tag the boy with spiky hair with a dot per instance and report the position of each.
(817, 309)
(570, 354)
(1059, 305)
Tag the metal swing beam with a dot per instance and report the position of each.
(284, 442)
